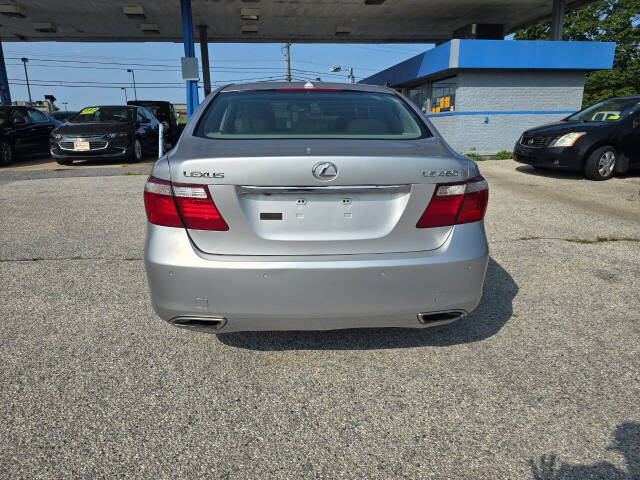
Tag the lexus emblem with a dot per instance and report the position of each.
(325, 171)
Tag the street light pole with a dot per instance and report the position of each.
(26, 76)
(65, 106)
(352, 78)
(135, 93)
(125, 94)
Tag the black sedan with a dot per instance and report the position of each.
(598, 141)
(106, 132)
(24, 132)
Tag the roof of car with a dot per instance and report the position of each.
(243, 87)
(144, 103)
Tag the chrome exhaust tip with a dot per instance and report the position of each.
(440, 318)
(201, 324)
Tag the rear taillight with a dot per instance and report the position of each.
(455, 203)
(181, 205)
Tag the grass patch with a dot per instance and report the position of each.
(475, 157)
(77, 257)
(502, 155)
(132, 172)
(131, 259)
(530, 238)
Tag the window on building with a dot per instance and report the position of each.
(443, 95)
(420, 96)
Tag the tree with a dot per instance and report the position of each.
(603, 21)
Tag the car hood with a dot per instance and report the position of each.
(92, 128)
(560, 128)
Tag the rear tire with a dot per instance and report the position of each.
(64, 161)
(601, 163)
(6, 154)
(136, 151)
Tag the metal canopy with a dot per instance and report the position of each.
(328, 21)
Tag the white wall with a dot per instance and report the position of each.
(509, 91)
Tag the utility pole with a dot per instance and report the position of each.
(65, 106)
(135, 93)
(125, 94)
(287, 57)
(26, 76)
(352, 79)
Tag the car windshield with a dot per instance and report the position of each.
(277, 114)
(4, 115)
(104, 114)
(607, 111)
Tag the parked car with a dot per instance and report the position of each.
(166, 114)
(24, 132)
(599, 140)
(63, 115)
(291, 206)
(106, 132)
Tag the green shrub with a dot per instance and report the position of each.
(502, 155)
(475, 157)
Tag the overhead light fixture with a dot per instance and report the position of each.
(250, 13)
(250, 1)
(134, 12)
(250, 29)
(15, 11)
(343, 31)
(374, 2)
(45, 27)
(150, 28)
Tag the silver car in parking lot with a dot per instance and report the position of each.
(300, 206)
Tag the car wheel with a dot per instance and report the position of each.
(64, 161)
(136, 151)
(6, 154)
(600, 164)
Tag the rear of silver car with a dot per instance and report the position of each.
(251, 232)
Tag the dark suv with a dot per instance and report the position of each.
(166, 114)
(599, 140)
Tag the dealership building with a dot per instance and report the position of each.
(482, 94)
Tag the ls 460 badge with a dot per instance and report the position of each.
(204, 174)
(441, 173)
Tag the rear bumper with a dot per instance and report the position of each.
(314, 293)
(560, 158)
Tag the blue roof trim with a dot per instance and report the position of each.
(423, 64)
(533, 54)
(498, 54)
(512, 112)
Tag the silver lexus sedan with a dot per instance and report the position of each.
(300, 206)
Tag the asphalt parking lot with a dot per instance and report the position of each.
(542, 381)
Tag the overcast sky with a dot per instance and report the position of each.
(158, 65)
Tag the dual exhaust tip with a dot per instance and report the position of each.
(215, 324)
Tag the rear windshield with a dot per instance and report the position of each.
(104, 114)
(276, 114)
